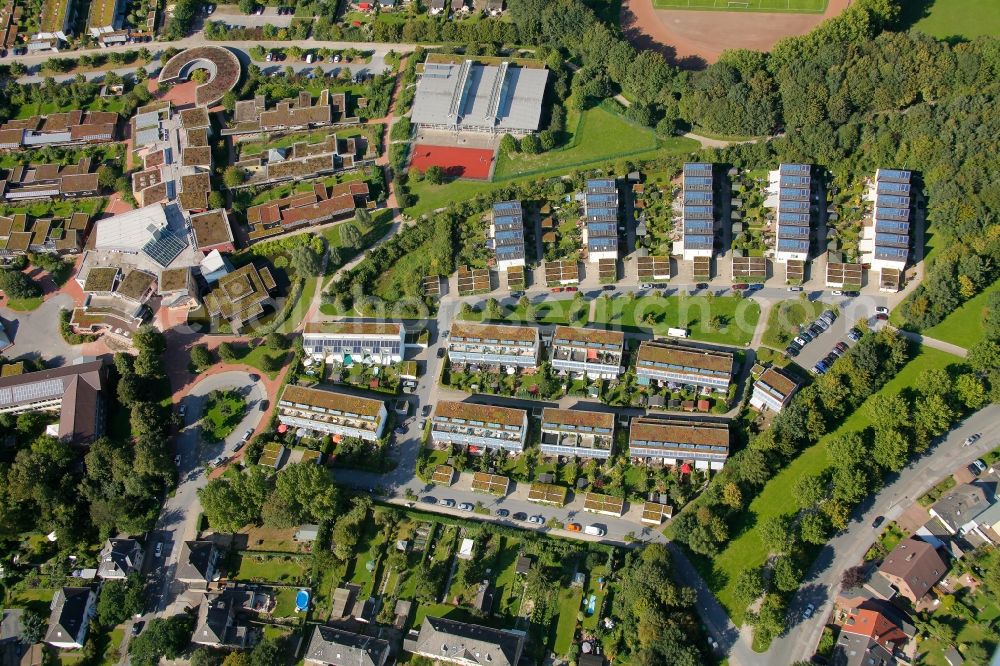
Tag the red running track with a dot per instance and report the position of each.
(472, 163)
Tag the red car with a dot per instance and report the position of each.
(572, 289)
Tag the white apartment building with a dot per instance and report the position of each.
(705, 444)
(674, 365)
(885, 239)
(479, 426)
(772, 390)
(487, 344)
(600, 229)
(588, 352)
(371, 343)
(332, 413)
(790, 194)
(584, 434)
(506, 234)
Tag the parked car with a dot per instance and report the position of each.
(854, 334)
(594, 530)
(520, 515)
(792, 351)
(740, 286)
(822, 323)
(837, 292)
(264, 404)
(240, 445)
(502, 513)
(882, 309)
(255, 378)
(807, 613)
(795, 289)
(609, 287)
(440, 352)
(836, 352)
(427, 499)
(852, 294)
(557, 290)
(248, 434)
(978, 465)
(881, 316)
(573, 527)
(815, 330)
(536, 520)
(842, 346)
(182, 410)
(806, 335)
(137, 627)
(465, 506)
(447, 502)
(400, 430)
(572, 289)
(878, 521)
(701, 285)
(972, 439)
(218, 461)
(177, 460)
(158, 551)
(800, 341)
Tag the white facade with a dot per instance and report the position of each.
(790, 194)
(486, 344)
(359, 342)
(885, 242)
(481, 426)
(772, 391)
(332, 413)
(594, 353)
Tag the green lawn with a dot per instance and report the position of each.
(223, 412)
(255, 357)
(601, 134)
(549, 311)
(737, 317)
(286, 569)
(36, 599)
(964, 326)
(24, 304)
(747, 550)
(284, 602)
(569, 606)
(431, 197)
(945, 19)
(794, 6)
(114, 639)
(301, 307)
(785, 317)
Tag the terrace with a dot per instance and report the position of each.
(222, 65)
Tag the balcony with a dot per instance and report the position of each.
(329, 419)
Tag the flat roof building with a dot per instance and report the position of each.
(571, 432)
(467, 96)
(319, 205)
(479, 426)
(332, 413)
(790, 193)
(69, 128)
(240, 296)
(506, 234)
(698, 212)
(772, 390)
(355, 341)
(885, 237)
(489, 344)
(673, 364)
(676, 441)
(590, 352)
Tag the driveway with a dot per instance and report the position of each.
(178, 520)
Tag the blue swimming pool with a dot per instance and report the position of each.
(302, 601)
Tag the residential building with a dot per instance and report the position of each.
(304, 209)
(72, 609)
(332, 413)
(492, 345)
(469, 97)
(790, 193)
(885, 236)
(70, 128)
(50, 181)
(251, 116)
(960, 506)
(198, 564)
(119, 558)
(698, 213)
(600, 229)
(212, 231)
(590, 352)
(479, 426)
(106, 16)
(306, 160)
(506, 234)
(987, 524)
(674, 365)
(452, 642)
(20, 234)
(239, 297)
(217, 624)
(677, 441)
(772, 390)
(355, 342)
(571, 432)
(330, 646)
(75, 391)
(12, 645)
(870, 636)
(912, 568)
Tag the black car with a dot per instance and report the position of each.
(427, 499)
(440, 353)
(852, 294)
(609, 287)
(702, 285)
(400, 430)
(426, 410)
(878, 521)
(502, 513)
(137, 627)
(520, 515)
(792, 351)
(255, 378)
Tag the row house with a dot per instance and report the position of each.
(487, 344)
(355, 341)
(698, 213)
(675, 365)
(507, 234)
(332, 413)
(479, 426)
(700, 442)
(584, 434)
(600, 228)
(790, 193)
(593, 353)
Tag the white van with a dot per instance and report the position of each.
(594, 530)
(309, 59)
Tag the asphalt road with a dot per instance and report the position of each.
(36, 334)
(178, 518)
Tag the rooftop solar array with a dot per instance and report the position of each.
(164, 247)
(892, 215)
(47, 389)
(698, 212)
(601, 215)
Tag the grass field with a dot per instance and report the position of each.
(964, 326)
(747, 550)
(726, 320)
(784, 319)
(794, 6)
(24, 304)
(271, 569)
(569, 606)
(947, 19)
(223, 412)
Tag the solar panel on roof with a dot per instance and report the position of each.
(696, 226)
(164, 249)
(694, 196)
(697, 242)
(883, 251)
(790, 245)
(46, 389)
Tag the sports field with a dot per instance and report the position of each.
(950, 19)
(457, 162)
(795, 6)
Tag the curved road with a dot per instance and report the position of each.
(178, 518)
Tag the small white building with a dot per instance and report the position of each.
(772, 390)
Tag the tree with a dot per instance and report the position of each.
(492, 309)
(201, 357)
(148, 365)
(269, 652)
(530, 144)
(305, 262)
(247, 6)
(233, 176)
(777, 533)
(149, 339)
(732, 496)
(302, 493)
(786, 576)
(434, 175)
(18, 285)
(363, 218)
(975, 654)
(204, 656)
(216, 200)
(891, 449)
(984, 356)
(130, 389)
(749, 585)
(275, 341)
(227, 352)
(350, 236)
(508, 144)
(971, 391)
(809, 490)
(813, 528)
(162, 638)
(932, 415)
(18, 69)
(853, 577)
(119, 600)
(33, 627)
(934, 381)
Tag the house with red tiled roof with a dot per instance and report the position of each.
(870, 636)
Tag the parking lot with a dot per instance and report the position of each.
(850, 312)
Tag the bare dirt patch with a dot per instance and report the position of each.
(693, 39)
